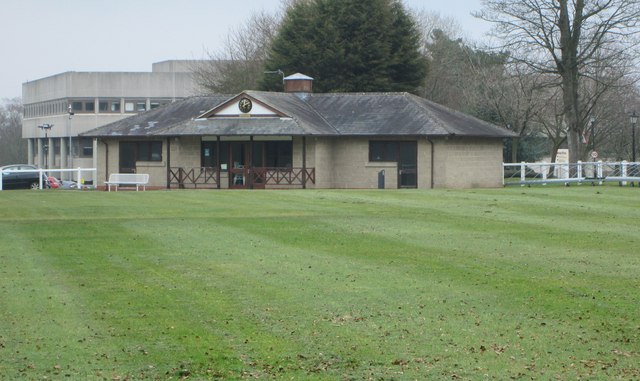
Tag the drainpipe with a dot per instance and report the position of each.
(106, 161)
(218, 161)
(432, 161)
(168, 163)
(304, 162)
(250, 164)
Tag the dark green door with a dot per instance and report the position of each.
(127, 157)
(407, 165)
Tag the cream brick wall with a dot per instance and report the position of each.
(185, 151)
(468, 163)
(344, 162)
(322, 161)
(157, 170)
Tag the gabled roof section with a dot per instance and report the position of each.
(231, 108)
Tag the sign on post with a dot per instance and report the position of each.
(562, 157)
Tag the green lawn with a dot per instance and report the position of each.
(515, 283)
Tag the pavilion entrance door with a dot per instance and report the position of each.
(407, 165)
(239, 153)
(127, 157)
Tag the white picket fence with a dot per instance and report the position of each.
(566, 173)
(79, 171)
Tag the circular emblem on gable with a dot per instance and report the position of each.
(245, 105)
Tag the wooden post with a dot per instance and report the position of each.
(218, 162)
(304, 162)
(169, 163)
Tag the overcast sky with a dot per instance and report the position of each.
(44, 37)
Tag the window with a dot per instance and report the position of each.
(83, 106)
(108, 106)
(155, 103)
(383, 151)
(149, 151)
(76, 106)
(85, 147)
(278, 154)
(135, 105)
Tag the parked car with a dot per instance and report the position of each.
(22, 180)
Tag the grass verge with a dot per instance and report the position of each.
(520, 283)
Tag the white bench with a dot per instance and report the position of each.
(137, 179)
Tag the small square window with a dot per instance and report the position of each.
(115, 106)
(141, 106)
(129, 107)
(103, 106)
(76, 106)
(89, 106)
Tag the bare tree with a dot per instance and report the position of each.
(428, 22)
(13, 149)
(514, 95)
(568, 39)
(240, 63)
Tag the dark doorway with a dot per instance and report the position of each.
(209, 154)
(127, 157)
(407, 165)
(238, 159)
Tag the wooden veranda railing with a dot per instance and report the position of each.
(283, 176)
(208, 177)
(201, 177)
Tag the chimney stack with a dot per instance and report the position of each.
(298, 83)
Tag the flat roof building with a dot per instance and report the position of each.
(60, 107)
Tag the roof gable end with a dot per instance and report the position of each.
(243, 105)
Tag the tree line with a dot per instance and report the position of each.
(559, 73)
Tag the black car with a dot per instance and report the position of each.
(21, 180)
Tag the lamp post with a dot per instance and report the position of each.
(633, 119)
(46, 127)
(593, 121)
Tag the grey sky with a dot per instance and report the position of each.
(44, 37)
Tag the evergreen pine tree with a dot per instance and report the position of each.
(348, 46)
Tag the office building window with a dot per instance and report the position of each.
(135, 105)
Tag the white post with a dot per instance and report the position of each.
(599, 170)
(63, 157)
(545, 173)
(523, 167)
(623, 171)
(579, 169)
(80, 178)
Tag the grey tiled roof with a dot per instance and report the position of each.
(155, 121)
(385, 114)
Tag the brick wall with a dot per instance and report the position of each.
(468, 163)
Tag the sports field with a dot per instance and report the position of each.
(516, 283)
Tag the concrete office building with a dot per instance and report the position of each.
(60, 107)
